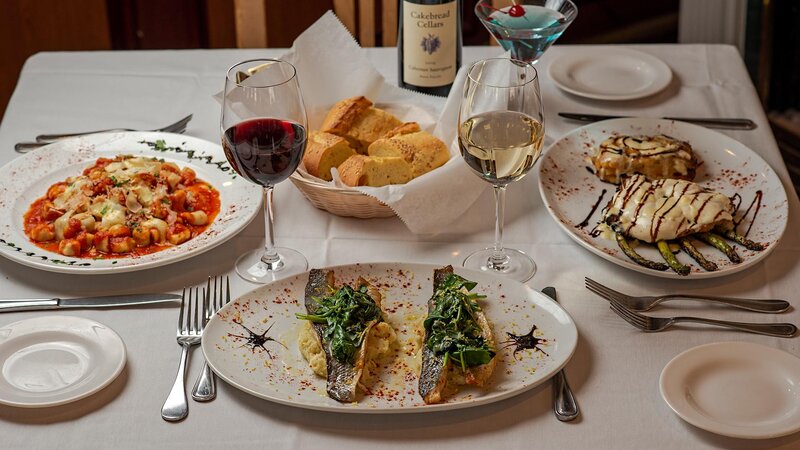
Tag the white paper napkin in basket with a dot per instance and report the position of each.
(330, 67)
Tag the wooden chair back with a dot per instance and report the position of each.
(358, 16)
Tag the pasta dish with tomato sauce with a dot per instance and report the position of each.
(124, 206)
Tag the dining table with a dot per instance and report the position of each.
(614, 371)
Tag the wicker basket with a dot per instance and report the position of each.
(340, 201)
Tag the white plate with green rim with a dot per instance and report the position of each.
(26, 178)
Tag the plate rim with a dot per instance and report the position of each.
(97, 140)
(572, 326)
(710, 424)
(662, 69)
(669, 274)
(112, 337)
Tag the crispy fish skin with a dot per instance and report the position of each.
(435, 373)
(343, 378)
(433, 376)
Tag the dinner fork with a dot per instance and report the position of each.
(45, 139)
(645, 303)
(205, 388)
(189, 333)
(653, 324)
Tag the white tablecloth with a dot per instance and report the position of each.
(614, 371)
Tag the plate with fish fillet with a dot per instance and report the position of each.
(664, 198)
(389, 338)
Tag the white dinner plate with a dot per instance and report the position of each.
(737, 389)
(569, 191)
(28, 177)
(53, 360)
(280, 373)
(610, 73)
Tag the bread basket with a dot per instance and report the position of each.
(340, 201)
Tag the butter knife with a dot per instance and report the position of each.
(564, 404)
(33, 304)
(726, 123)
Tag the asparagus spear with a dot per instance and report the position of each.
(673, 262)
(637, 258)
(689, 248)
(718, 242)
(741, 240)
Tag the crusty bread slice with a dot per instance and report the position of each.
(325, 151)
(422, 150)
(356, 120)
(406, 128)
(360, 170)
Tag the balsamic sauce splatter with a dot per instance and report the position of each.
(591, 213)
(255, 340)
(524, 342)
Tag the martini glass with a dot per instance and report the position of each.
(528, 27)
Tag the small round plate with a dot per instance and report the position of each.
(53, 360)
(737, 389)
(610, 73)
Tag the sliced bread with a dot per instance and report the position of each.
(361, 170)
(325, 151)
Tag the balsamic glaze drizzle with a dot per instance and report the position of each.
(255, 340)
(757, 203)
(591, 213)
(524, 342)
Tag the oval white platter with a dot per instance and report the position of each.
(610, 73)
(738, 389)
(278, 372)
(28, 177)
(53, 360)
(569, 190)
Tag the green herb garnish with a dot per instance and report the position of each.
(452, 327)
(161, 144)
(346, 314)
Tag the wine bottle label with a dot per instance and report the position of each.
(429, 44)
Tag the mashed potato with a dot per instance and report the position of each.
(379, 344)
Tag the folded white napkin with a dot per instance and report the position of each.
(330, 67)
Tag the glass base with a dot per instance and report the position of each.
(250, 267)
(516, 264)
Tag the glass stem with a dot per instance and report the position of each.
(499, 260)
(270, 257)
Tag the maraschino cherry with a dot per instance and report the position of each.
(516, 11)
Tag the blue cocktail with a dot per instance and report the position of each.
(529, 27)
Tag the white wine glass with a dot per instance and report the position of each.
(501, 131)
(263, 127)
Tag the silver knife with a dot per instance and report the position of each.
(564, 404)
(32, 304)
(709, 122)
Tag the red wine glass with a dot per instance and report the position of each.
(263, 128)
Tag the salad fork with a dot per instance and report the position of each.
(189, 333)
(205, 388)
(45, 139)
(645, 303)
(653, 324)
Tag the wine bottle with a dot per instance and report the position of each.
(428, 44)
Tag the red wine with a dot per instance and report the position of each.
(265, 151)
(428, 44)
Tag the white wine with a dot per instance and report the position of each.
(501, 146)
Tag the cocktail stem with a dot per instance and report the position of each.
(270, 256)
(499, 259)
